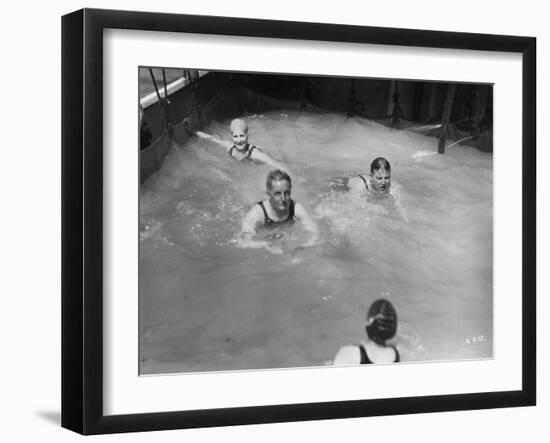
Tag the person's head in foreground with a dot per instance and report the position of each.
(381, 326)
(239, 133)
(278, 186)
(381, 175)
(381, 322)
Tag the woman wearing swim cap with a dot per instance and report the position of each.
(239, 149)
(381, 326)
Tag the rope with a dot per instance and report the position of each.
(165, 85)
(196, 110)
(163, 101)
(155, 84)
(397, 112)
(458, 141)
(355, 106)
(166, 105)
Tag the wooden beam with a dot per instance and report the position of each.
(447, 108)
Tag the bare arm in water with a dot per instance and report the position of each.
(356, 186)
(262, 157)
(215, 139)
(255, 219)
(256, 155)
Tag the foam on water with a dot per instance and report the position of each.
(207, 304)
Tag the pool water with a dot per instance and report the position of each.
(207, 304)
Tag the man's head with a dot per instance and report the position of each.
(381, 175)
(278, 187)
(381, 321)
(239, 132)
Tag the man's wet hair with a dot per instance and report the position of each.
(277, 175)
(380, 163)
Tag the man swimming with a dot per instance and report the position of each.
(278, 210)
(376, 184)
(381, 326)
(239, 149)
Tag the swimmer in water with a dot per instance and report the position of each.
(239, 149)
(375, 184)
(381, 326)
(278, 210)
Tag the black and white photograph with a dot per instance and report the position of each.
(292, 220)
(275, 221)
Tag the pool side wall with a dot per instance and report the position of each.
(220, 96)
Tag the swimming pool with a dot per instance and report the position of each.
(205, 304)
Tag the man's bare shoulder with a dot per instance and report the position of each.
(253, 218)
(359, 183)
(255, 210)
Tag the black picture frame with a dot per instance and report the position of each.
(82, 221)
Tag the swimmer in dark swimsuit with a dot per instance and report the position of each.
(239, 149)
(269, 222)
(381, 326)
(279, 209)
(377, 183)
(244, 154)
